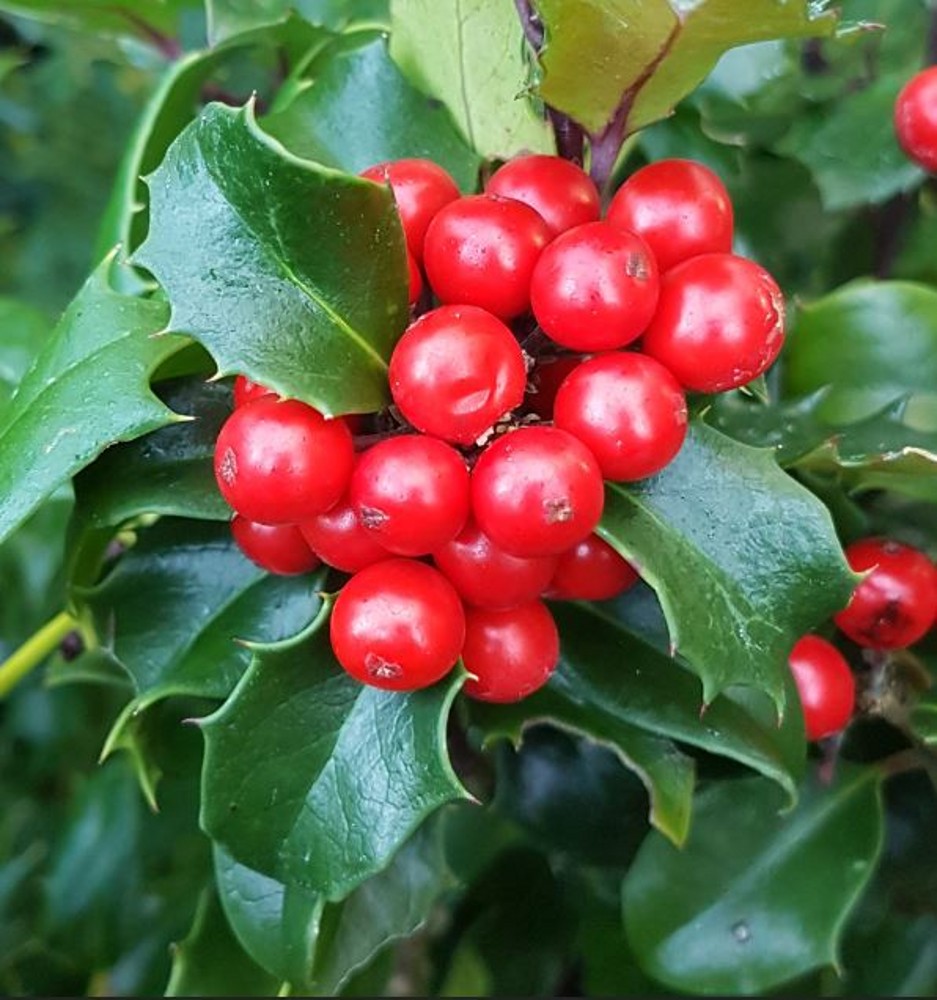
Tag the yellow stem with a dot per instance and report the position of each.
(34, 650)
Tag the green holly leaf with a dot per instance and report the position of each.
(871, 343)
(760, 550)
(88, 388)
(361, 110)
(741, 921)
(211, 963)
(470, 54)
(229, 18)
(317, 946)
(637, 59)
(366, 767)
(169, 471)
(309, 303)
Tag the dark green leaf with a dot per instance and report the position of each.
(317, 946)
(470, 55)
(22, 332)
(309, 303)
(169, 471)
(87, 389)
(640, 58)
(871, 342)
(759, 549)
(211, 963)
(365, 768)
(360, 110)
(894, 957)
(707, 919)
(227, 18)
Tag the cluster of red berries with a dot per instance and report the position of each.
(514, 397)
(893, 607)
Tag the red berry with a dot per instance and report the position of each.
(281, 462)
(719, 323)
(511, 652)
(341, 540)
(595, 288)
(825, 684)
(455, 371)
(412, 493)
(489, 577)
(245, 391)
(545, 380)
(398, 625)
(277, 548)
(563, 194)
(415, 287)
(537, 491)
(627, 409)
(421, 188)
(916, 119)
(895, 604)
(481, 251)
(591, 571)
(680, 208)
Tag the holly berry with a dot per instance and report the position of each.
(511, 652)
(545, 380)
(563, 194)
(246, 390)
(281, 462)
(481, 251)
(412, 493)
(719, 323)
(590, 571)
(680, 208)
(595, 288)
(277, 548)
(895, 604)
(455, 371)
(340, 539)
(421, 188)
(916, 119)
(487, 576)
(825, 684)
(627, 409)
(537, 491)
(397, 625)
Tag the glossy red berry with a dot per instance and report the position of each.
(627, 409)
(421, 188)
(281, 462)
(595, 288)
(895, 604)
(537, 491)
(563, 194)
(719, 323)
(277, 548)
(341, 540)
(481, 251)
(545, 380)
(487, 576)
(412, 493)
(679, 207)
(511, 652)
(590, 571)
(455, 371)
(916, 119)
(825, 685)
(415, 280)
(397, 625)
(245, 391)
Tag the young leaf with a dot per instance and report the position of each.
(315, 780)
(759, 551)
(871, 342)
(741, 921)
(308, 302)
(229, 18)
(361, 110)
(470, 55)
(88, 388)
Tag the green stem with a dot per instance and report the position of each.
(34, 650)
